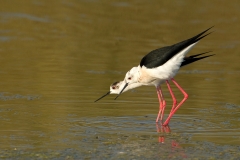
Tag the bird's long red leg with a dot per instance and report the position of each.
(162, 104)
(173, 97)
(176, 108)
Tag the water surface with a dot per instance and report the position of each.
(58, 57)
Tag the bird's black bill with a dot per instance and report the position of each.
(103, 96)
(121, 91)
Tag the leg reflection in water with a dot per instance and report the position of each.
(170, 146)
(162, 130)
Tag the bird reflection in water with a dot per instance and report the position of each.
(176, 149)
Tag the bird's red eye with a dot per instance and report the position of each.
(113, 87)
(129, 78)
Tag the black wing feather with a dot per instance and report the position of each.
(160, 56)
(193, 58)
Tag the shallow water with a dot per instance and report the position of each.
(58, 57)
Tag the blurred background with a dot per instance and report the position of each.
(58, 57)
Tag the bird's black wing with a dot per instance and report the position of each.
(160, 56)
(194, 58)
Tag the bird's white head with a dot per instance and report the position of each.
(131, 79)
(132, 76)
(117, 87)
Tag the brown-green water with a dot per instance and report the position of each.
(57, 57)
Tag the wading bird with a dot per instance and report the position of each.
(159, 66)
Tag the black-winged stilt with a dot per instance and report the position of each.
(158, 66)
(117, 87)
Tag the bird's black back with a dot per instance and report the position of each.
(160, 56)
